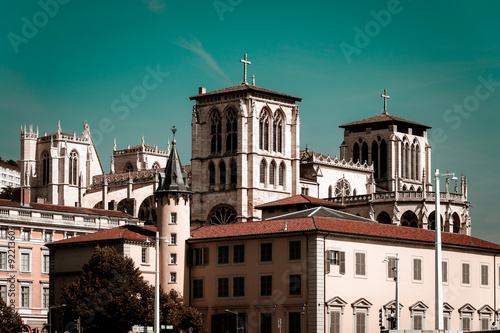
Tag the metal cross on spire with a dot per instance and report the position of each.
(385, 97)
(245, 62)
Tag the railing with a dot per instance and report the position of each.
(392, 196)
(143, 175)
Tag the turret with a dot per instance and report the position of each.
(173, 197)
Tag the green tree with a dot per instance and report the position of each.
(7, 193)
(10, 320)
(112, 296)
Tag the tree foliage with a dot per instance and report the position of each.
(7, 192)
(112, 296)
(10, 320)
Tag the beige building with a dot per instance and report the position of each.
(24, 258)
(9, 175)
(321, 270)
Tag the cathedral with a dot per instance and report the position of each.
(318, 226)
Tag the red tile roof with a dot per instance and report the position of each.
(381, 118)
(118, 233)
(244, 87)
(10, 203)
(66, 209)
(338, 227)
(300, 199)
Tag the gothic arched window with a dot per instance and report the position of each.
(264, 130)
(281, 174)
(272, 170)
(262, 172)
(383, 159)
(375, 159)
(222, 214)
(355, 153)
(409, 219)
(417, 162)
(45, 168)
(278, 132)
(364, 153)
(211, 172)
(215, 133)
(231, 131)
(222, 173)
(342, 188)
(412, 161)
(233, 171)
(384, 218)
(407, 160)
(129, 167)
(73, 168)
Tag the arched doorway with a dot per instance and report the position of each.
(456, 223)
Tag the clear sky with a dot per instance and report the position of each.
(73, 61)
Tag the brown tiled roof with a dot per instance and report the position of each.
(244, 87)
(340, 227)
(382, 118)
(5, 202)
(66, 209)
(300, 199)
(118, 233)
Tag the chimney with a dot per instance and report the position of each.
(202, 90)
(286, 227)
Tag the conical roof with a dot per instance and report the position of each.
(173, 179)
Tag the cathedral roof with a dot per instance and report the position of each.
(245, 87)
(383, 118)
(337, 227)
(300, 199)
(173, 180)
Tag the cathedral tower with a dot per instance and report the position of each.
(245, 151)
(397, 148)
(173, 198)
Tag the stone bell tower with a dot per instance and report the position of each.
(245, 151)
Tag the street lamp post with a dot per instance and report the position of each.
(236, 313)
(157, 282)
(438, 298)
(50, 314)
(396, 279)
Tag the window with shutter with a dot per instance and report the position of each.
(444, 266)
(417, 322)
(342, 262)
(360, 322)
(465, 273)
(360, 264)
(335, 322)
(417, 269)
(484, 275)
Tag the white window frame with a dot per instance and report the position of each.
(355, 320)
(413, 318)
(5, 251)
(173, 239)
(481, 318)
(469, 317)
(5, 285)
(173, 259)
(173, 278)
(22, 253)
(21, 286)
(144, 255)
(45, 270)
(43, 286)
(173, 218)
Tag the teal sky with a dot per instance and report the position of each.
(76, 63)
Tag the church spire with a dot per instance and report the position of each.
(173, 178)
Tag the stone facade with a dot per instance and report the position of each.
(238, 135)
